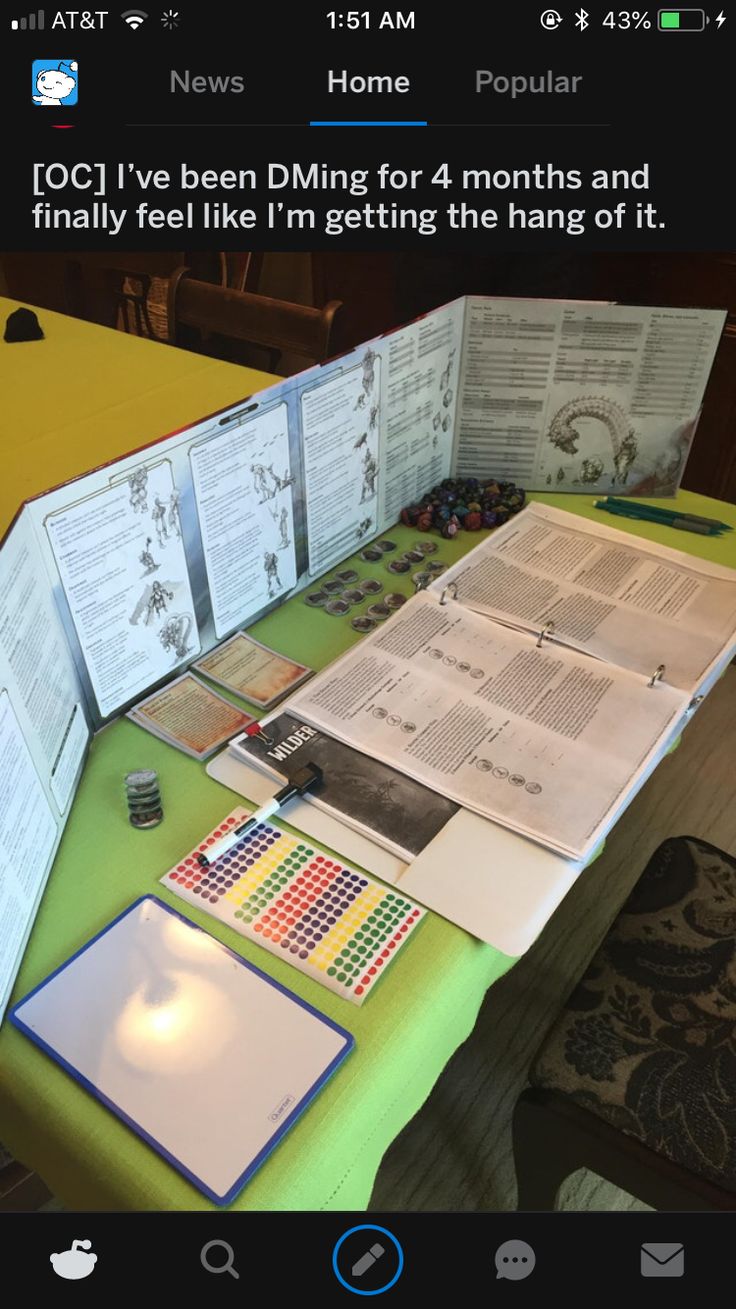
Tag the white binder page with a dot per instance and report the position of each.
(628, 601)
(547, 741)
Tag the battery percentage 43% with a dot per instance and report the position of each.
(621, 19)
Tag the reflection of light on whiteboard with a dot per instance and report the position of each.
(177, 1026)
(181, 941)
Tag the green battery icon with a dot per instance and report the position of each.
(681, 20)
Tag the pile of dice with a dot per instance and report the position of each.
(466, 502)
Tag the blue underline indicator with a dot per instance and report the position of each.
(368, 122)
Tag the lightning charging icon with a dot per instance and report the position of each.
(721, 19)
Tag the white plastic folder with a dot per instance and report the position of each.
(153, 1013)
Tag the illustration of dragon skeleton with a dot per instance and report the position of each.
(564, 434)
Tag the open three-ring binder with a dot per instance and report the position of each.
(539, 681)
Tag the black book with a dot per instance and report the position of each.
(398, 813)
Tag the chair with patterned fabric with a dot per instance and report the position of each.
(637, 1079)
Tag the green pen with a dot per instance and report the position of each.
(668, 513)
(682, 524)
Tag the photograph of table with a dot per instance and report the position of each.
(83, 395)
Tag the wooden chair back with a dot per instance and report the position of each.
(218, 312)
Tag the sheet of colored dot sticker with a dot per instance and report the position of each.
(332, 922)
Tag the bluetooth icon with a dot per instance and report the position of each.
(581, 19)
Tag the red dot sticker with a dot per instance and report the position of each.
(359, 990)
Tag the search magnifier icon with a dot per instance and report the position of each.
(229, 1264)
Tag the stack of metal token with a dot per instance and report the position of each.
(143, 794)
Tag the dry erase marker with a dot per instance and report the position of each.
(302, 781)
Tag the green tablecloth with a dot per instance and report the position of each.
(422, 1011)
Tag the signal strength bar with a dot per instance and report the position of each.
(33, 23)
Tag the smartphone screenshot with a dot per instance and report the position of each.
(367, 624)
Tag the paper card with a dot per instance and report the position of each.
(252, 670)
(191, 716)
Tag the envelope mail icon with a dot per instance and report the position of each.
(662, 1259)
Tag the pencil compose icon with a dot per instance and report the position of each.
(367, 1260)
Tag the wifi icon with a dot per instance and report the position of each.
(134, 18)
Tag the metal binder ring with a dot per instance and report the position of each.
(450, 588)
(657, 675)
(547, 630)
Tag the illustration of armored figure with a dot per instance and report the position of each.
(360, 402)
(284, 529)
(138, 487)
(369, 372)
(175, 633)
(625, 456)
(260, 484)
(157, 603)
(445, 378)
(147, 559)
(363, 527)
(362, 440)
(271, 567)
(158, 514)
(370, 473)
(281, 483)
(174, 521)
